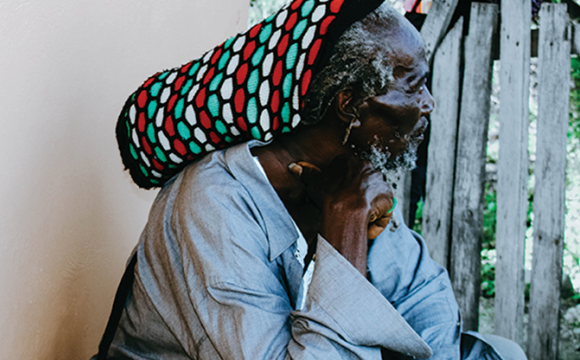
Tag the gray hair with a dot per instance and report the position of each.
(360, 61)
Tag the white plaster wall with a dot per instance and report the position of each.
(69, 215)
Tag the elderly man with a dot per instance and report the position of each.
(285, 249)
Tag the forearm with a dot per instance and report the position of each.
(346, 231)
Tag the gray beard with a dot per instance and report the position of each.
(391, 168)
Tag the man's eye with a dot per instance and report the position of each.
(417, 87)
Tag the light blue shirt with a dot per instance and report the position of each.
(217, 278)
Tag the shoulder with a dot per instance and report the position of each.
(205, 216)
(207, 193)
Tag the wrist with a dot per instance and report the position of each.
(346, 231)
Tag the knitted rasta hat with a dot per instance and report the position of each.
(251, 86)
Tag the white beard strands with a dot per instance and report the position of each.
(379, 158)
(392, 169)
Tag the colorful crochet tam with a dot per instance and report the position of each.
(251, 86)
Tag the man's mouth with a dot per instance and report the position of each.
(418, 134)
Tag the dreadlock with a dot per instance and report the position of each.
(360, 61)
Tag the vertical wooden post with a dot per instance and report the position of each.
(513, 176)
(403, 195)
(446, 87)
(436, 24)
(467, 232)
(550, 172)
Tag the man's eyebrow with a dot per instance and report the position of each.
(405, 68)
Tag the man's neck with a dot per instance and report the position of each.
(316, 144)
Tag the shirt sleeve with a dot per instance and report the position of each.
(402, 270)
(346, 309)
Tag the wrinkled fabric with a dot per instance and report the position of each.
(217, 278)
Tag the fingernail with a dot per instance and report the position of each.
(295, 169)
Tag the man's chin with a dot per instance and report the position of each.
(383, 161)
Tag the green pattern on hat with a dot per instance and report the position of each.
(250, 86)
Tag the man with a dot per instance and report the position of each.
(284, 249)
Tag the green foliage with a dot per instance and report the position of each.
(574, 126)
(418, 225)
(489, 217)
(487, 277)
(260, 9)
(488, 245)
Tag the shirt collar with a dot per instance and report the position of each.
(280, 229)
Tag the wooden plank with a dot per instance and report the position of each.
(446, 87)
(575, 44)
(512, 193)
(436, 24)
(467, 226)
(403, 195)
(550, 172)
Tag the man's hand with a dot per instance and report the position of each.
(355, 202)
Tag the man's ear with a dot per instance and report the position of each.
(344, 109)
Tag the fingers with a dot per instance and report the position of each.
(340, 173)
(312, 177)
(295, 169)
(376, 227)
(380, 215)
(305, 171)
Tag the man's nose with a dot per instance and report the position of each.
(428, 103)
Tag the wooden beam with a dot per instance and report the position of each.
(436, 24)
(550, 172)
(512, 186)
(446, 87)
(467, 232)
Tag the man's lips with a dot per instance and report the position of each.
(418, 133)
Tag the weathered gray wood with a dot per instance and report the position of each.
(403, 195)
(575, 43)
(574, 46)
(436, 24)
(467, 231)
(512, 164)
(550, 172)
(445, 86)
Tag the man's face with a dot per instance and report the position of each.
(392, 125)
